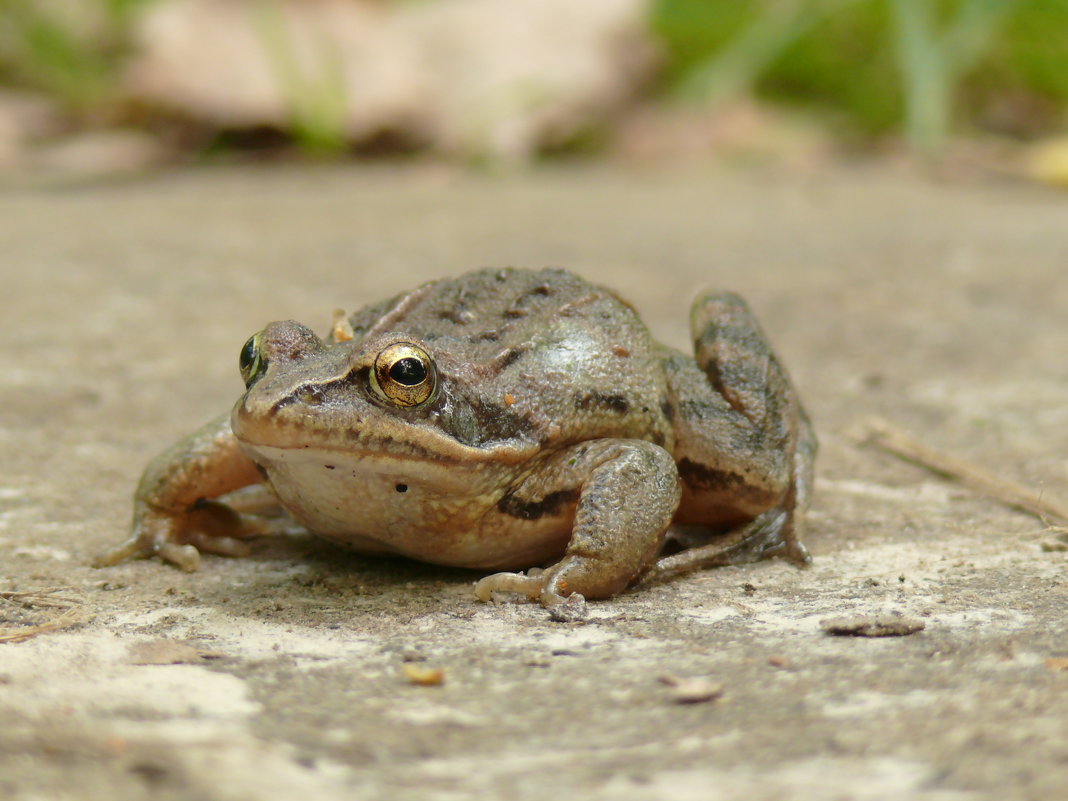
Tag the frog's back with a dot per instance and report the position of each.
(546, 346)
(488, 307)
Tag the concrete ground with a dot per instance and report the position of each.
(942, 306)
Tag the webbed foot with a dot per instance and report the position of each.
(173, 518)
(179, 538)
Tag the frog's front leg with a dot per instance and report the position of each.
(173, 516)
(628, 491)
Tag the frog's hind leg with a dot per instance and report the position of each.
(756, 540)
(744, 445)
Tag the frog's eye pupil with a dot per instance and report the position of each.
(251, 361)
(248, 354)
(408, 371)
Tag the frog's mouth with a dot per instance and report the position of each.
(364, 443)
(337, 476)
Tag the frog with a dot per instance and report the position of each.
(520, 422)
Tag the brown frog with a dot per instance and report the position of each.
(502, 420)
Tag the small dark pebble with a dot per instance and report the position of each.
(573, 610)
(892, 625)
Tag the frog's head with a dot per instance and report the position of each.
(388, 394)
(298, 366)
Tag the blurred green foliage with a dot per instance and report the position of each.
(878, 66)
(71, 51)
(316, 102)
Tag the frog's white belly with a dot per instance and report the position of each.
(432, 512)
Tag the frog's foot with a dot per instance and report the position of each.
(536, 584)
(573, 578)
(180, 537)
(770, 534)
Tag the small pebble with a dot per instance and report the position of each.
(891, 625)
(573, 610)
(693, 690)
(422, 675)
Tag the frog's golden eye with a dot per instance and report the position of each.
(404, 374)
(252, 362)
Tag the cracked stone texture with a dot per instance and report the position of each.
(939, 305)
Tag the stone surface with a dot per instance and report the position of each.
(940, 306)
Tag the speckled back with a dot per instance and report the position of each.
(540, 355)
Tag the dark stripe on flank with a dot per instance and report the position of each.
(601, 400)
(533, 510)
(699, 475)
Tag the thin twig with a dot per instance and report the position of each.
(73, 612)
(885, 435)
(71, 617)
(31, 598)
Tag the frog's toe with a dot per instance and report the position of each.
(221, 546)
(179, 538)
(215, 527)
(544, 586)
(793, 550)
(154, 534)
(153, 540)
(134, 547)
(181, 555)
(528, 584)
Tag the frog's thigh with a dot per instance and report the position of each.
(628, 492)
